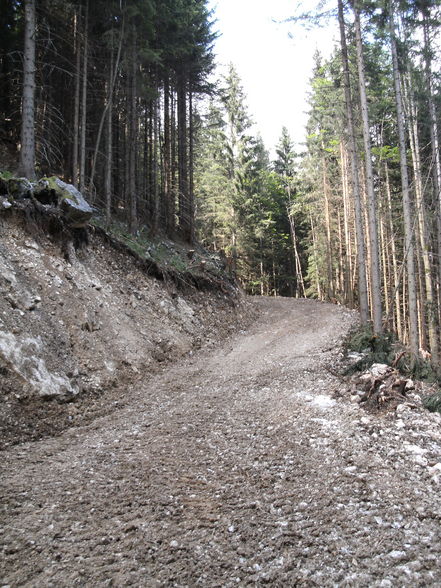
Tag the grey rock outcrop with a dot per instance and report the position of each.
(24, 357)
(76, 210)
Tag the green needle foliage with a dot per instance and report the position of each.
(375, 348)
(245, 202)
(433, 403)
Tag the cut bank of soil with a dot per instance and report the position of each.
(234, 467)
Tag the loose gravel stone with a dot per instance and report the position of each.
(235, 467)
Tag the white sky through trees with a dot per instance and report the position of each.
(274, 68)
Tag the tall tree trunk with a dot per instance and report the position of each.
(109, 101)
(407, 208)
(84, 101)
(329, 248)
(428, 305)
(191, 204)
(371, 203)
(109, 149)
(184, 197)
(315, 256)
(27, 148)
(348, 285)
(384, 259)
(174, 184)
(359, 229)
(300, 285)
(156, 175)
(395, 270)
(133, 126)
(169, 222)
(434, 139)
(76, 121)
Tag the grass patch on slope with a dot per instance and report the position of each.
(192, 265)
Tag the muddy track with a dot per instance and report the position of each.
(234, 467)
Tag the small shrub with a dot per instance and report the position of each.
(375, 348)
(433, 403)
(418, 369)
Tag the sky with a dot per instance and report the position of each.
(274, 68)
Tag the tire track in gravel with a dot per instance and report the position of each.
(234, 467)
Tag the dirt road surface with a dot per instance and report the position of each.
(235, 467)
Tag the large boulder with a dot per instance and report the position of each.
(76, 211)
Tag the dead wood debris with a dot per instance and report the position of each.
(383, 388)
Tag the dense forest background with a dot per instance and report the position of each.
(121, 98)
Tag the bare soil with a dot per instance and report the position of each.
(97, 323)
(236, 466)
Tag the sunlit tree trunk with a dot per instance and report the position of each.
(384, 260)
(371, 202)
(326, 195)
(300, 286)
(348, 246)
(361, 250)
(407, 208)
(434, 139)
(395, 270)
(427, 305)
(315, 256)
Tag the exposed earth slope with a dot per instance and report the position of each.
(86, 326)
(235, 466)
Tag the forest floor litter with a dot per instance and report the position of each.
(243, 464)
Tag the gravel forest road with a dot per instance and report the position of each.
(234, 467)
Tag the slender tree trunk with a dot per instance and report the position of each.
(315, 257)
(167, 160)
(348, 285)
(184, 196)
(427, 305)
(329, 252)
(84, 101)
(150, 157)
(156, 192)
(407, 208)
(27, 148)
(300, 285)
(371, 202)
(396, 273)
(434, 139)
(359, 229)
(173, 166)
(385, 263)
(109, 149)
(76, 121)
(133, 204)
(111, 89)
(191, 203)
